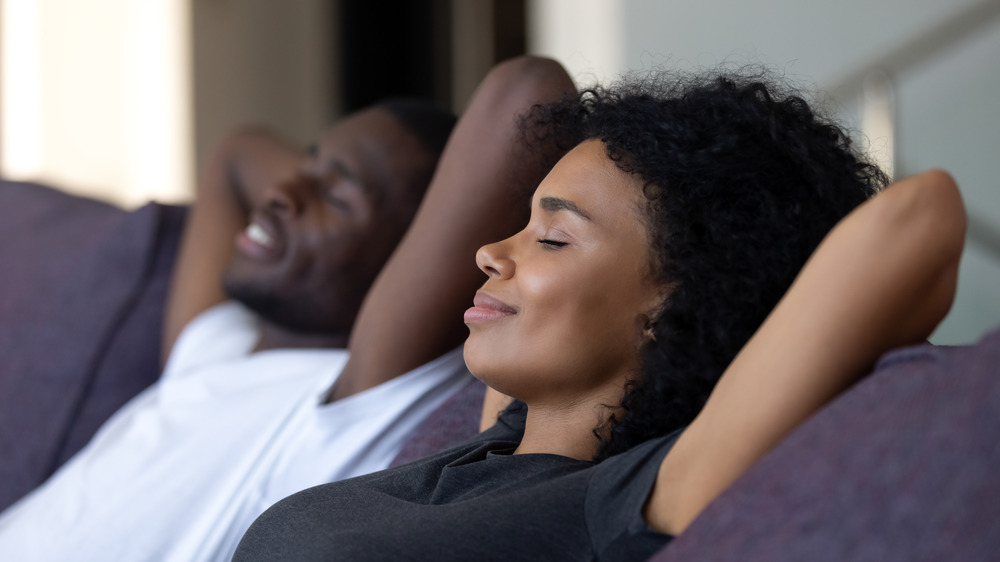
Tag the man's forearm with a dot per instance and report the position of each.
(235, 181)
(250, 161)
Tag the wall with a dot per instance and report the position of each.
(95, 96)
(264, 62)
(123, 99)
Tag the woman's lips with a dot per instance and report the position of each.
(486, 307)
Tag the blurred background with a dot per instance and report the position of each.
(123, 99)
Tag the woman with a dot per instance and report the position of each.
(628, 320)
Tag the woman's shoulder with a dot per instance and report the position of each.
(618, 489)
(619, 472)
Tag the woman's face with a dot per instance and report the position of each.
(562, 313)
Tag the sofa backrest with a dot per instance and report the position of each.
(82, 290)
(456, 420)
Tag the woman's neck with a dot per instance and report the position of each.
(566, 430)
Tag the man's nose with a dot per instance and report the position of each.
(291, 195)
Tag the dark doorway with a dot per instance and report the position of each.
(404, 47)
(394, 48)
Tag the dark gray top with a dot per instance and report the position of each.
(474, 502)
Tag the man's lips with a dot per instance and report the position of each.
(486, 307)
(259, 239)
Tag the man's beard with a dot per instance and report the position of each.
(298, 312)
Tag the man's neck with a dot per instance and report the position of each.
(276, 337)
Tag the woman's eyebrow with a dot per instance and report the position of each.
(553, 204)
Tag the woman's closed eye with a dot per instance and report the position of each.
(550, 244)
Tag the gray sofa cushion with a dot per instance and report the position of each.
(904, 466)
(81, 297)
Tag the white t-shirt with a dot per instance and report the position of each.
(181, 471)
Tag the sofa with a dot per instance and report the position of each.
(905, 465)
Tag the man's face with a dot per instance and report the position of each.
(320, 237)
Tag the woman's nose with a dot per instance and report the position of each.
(495, 260)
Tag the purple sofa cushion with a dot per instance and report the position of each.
(904, 466)
(81, 296)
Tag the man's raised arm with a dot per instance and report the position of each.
(242, 167)
(479, 194)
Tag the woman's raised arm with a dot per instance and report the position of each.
(884, 277)
(479, 194)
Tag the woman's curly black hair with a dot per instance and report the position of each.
(742, 181)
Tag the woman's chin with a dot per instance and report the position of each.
(480, 362)
(472, 359)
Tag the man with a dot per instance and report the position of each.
(311, 230)
(296, 239)
(234, 425)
